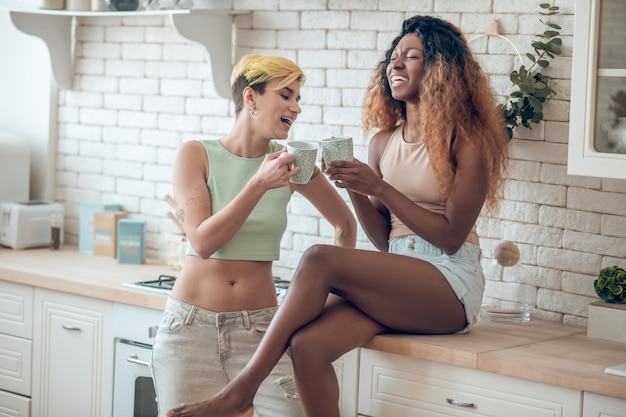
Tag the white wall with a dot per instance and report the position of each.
(28, 99)
(140, 90)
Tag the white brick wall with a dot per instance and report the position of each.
(140, 89)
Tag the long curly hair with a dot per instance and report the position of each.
(455, 99)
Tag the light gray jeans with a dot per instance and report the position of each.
(197, 352)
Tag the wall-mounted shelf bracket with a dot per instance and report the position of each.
(56, 32)
(211, 28)
(215, 32)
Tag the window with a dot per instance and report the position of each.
(597, 139)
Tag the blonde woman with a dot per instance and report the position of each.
(437, 157)
(232, 196)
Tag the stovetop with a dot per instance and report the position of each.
(165, 283)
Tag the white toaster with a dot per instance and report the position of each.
(27, 225)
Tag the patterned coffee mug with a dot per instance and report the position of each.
(306, 155)
(337, 149)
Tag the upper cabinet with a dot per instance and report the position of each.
(211, 28)
(597, 137)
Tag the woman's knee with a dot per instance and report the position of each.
(306, 345)
(319, 255)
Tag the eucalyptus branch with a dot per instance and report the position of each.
(525, 104)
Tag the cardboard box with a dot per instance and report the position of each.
(105, 232)
(607, 321)
(131, 240)
(85, 226)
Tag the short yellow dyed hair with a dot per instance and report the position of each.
(256, 70)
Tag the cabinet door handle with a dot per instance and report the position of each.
(71, 328)
(460, 403)
(135, 359)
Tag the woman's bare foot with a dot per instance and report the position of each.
(211, 408)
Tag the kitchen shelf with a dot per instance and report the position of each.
(211, 28)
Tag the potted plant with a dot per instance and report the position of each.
(606, 319)
(611, 284)
(525, 104)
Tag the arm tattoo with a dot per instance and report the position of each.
(342, 233)
(194, 198)
(180, 213)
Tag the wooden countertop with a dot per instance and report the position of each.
(541, 351)
(68, 270)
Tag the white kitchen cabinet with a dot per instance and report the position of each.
(399, 386)
(72, 355)
(595, 405)
(16, 331)
(14, 405)
(596, 147)
(347, 370)
(15, 360)
(16, 309)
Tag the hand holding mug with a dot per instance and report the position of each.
(274, 172)
(355, 176)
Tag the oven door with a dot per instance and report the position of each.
(133, 389)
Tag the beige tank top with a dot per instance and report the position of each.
(406, 167)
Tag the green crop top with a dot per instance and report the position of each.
(259, 237)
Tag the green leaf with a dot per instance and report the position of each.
(539, 45)
(535, 103)
(614, 288)
(554, 46)
(527, 86)
(542, 93)
(543, 63)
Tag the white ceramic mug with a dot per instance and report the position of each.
(306, 155)
(337, 149)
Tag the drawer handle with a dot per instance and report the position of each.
(460, 403)
(135, 359)
(71, 328)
